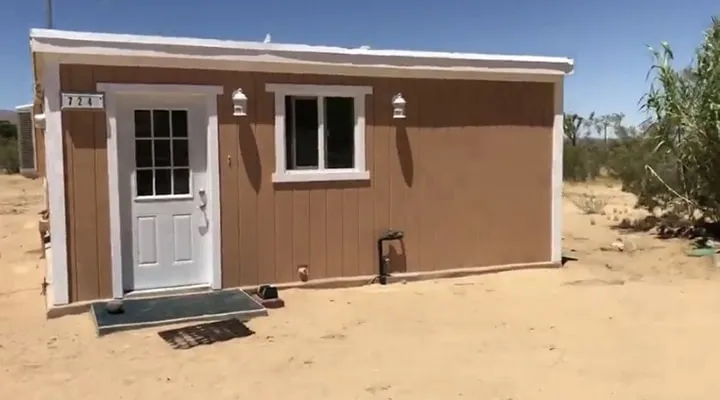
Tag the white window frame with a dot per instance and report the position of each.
(359, 170)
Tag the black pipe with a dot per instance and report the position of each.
(384, 261)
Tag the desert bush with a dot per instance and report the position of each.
(9, 162)
(673, 162)
(683, 140)
(575, 166)
(589, 203)
(583, 162)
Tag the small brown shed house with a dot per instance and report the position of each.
(176, 163)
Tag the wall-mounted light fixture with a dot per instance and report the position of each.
(39, 120)
(398, 103)
(239, 103)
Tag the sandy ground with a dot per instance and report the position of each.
(639, 324)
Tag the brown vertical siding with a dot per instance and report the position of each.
(86, 192)
(466, 176)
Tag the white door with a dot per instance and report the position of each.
(162, 145)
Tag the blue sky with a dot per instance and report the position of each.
(606, 38)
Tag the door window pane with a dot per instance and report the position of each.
(161, 123)
(180, 153)
(144, 182)
(179, 123)
(143, 153)
(143, 123)
(163, 182)
(162, 152)
(181, 181)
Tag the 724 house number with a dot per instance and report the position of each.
(84, 101)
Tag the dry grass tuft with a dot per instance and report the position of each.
(589, 203)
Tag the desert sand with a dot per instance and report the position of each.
(637, 324)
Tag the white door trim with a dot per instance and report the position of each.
(57, 272)
(210, 93)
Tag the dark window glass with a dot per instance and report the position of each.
(180, 153)
(143, 153)
(181, 181)
(143, 123)
(340, 132)
(305, 133)
(163, 182)
(144, 182)
(179, 123)
(162, 152)
(161, 123)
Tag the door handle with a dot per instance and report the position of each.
(203, 199)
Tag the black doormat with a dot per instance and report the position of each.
(188, 337)
(156, 311)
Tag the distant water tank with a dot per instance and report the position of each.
(26, 140)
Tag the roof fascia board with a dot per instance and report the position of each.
(280, 67)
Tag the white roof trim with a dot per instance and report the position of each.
(24, 108)
(105, 48)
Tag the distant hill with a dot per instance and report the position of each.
(8, 115)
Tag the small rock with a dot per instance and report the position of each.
(630, 245)
(613, 267)
(303, 274)
(618, 245)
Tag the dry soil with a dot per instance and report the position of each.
(637, 324)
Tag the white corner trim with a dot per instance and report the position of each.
(213, 167)
(33, 129)
(112, 90)
(358, 93)
(557, 174)
(55, 171)
(118, 88)
(116, 253)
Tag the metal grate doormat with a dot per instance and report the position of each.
(157, 311)
(192, 336)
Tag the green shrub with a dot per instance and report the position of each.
(9, 162)
(582, 162)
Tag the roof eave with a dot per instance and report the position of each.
(48, 41)
(67, 44)
(24, 107)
